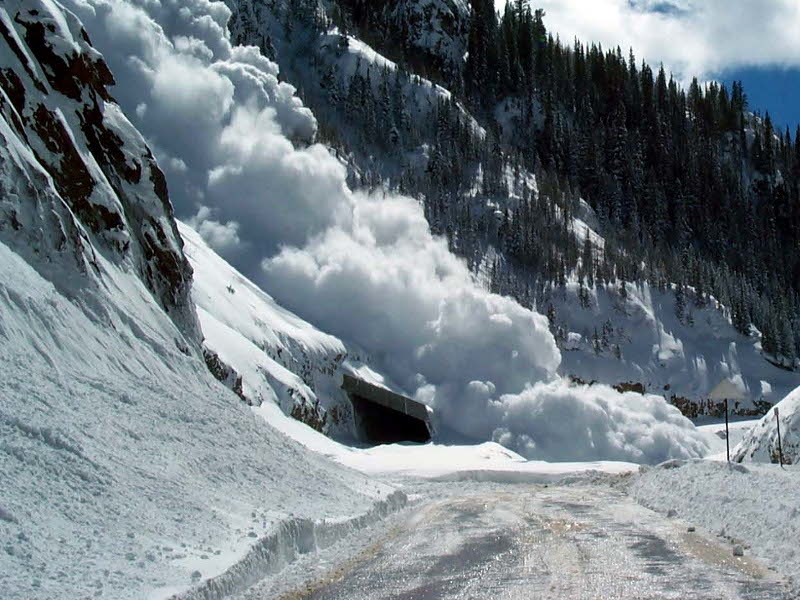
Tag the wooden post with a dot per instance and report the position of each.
(727, 432)
(780, 447)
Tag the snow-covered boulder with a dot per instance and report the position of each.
(761, 444)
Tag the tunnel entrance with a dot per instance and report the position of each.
(383, 417)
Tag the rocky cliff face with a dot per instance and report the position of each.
(78, 184)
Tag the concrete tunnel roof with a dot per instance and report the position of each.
(386, 398)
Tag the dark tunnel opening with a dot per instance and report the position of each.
(378, 424)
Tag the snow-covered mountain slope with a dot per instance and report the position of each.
(432, 34)
(637, 341)
(127, 470)
(435, 27)
(281, 358)
(364, 267)
(680, 358)
(78, 182)
(351, 85)
(761, 443)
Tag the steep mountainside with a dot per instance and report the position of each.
(430, 35)
(279, 357)
(365, 265)
(469, 152)
(127, 470)
(79, 185)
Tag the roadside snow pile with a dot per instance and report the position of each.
(118, 448)
(761, 444)
(754, 506)
(488, 461)
(483, 462)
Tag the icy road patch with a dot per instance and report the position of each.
(528, 541)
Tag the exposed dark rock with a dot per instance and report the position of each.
(70, 76)
(630, 386)
(12, 44)
(73, 180)
(14, 89)
(224, 373)
(312, 415)
(131, 223)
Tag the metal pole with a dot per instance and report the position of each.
(727, 432)
(780, 447)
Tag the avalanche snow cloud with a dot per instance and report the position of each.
(237, 146)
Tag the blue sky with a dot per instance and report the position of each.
(756, 41)
(776, 90)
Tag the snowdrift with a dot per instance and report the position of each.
(754, 505)
(761, 444)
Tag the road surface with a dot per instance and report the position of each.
(526, 542)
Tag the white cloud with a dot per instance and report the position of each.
(691, 37)
(385, 282)
(486, 364)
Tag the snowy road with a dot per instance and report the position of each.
(540, 542)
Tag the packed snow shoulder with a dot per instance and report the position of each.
(752, 507)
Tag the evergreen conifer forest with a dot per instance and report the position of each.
(693, 189)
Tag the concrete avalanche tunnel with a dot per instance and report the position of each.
(383, 417)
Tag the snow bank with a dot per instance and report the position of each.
(483, 462)
(290, 539)
(761, 443)
(119, 448)
(755, 506)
